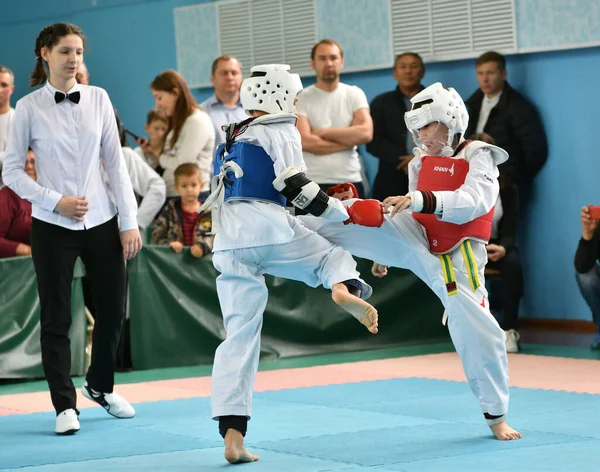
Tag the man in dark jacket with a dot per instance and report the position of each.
(392, 144)
(509, 118)
(503, 256)
(587, 270)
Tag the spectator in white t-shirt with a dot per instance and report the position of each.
(7, 87)
(333, 119)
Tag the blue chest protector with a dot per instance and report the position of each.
(257, 181)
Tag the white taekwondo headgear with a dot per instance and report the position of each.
(445, 106)
(273, 90)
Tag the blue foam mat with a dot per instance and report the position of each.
(382, 426)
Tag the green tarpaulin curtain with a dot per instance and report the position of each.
(176, 319)
(20, 351)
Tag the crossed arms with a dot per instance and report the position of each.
(329, 140)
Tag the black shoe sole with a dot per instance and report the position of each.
(69, 432)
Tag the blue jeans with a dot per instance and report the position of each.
(589, 285)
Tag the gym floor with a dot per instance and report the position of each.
(402, 409)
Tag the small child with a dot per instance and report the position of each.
(439, 230)
(157, 126)
(179, 224)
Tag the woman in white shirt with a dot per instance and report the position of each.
(67, 124)
(191, 136)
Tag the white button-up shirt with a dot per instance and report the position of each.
(69, 140)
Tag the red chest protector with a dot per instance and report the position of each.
(443, 173)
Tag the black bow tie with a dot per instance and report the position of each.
(74, 97)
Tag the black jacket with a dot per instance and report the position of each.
(516, 127)
(588, 252)
(507, 228)
(389, 143)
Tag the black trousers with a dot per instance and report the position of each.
(510, 287)
(55, 250)
(123, 357)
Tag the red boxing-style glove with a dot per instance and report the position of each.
(366, 213)
(343, 192)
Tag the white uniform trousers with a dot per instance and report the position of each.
(308, 258)
(480, 342)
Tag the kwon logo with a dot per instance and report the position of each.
(450, 170)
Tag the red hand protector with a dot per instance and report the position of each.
(366, 213)
(343, 191)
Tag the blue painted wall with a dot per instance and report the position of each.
(130, 41)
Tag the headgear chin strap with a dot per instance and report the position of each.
(447, 151)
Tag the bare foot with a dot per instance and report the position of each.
(235, 451)
(503, 432)
(357, 307)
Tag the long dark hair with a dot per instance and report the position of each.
(48, 38)
(167, 81)
(121, 130)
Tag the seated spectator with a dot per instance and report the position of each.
(148, 186)
(509, 118)
(15, 217)
(179, 223)
(191, 135)
(503, 257)
(587, 270)
(151, 149)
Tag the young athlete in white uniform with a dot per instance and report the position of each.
(256, 170)
(453, 189)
